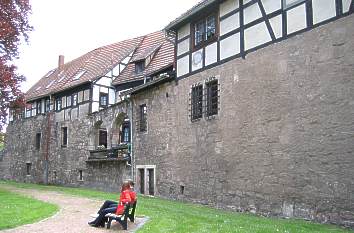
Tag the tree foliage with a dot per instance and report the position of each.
(14, 28)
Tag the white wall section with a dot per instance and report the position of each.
(271, 5)
(211, 52)
(183, 47)
(229, 24)
(228, 6)
(277, 26)
(183, 31)
(323, 10)
(346, 5)
(296, 19)
(251, 13)
(230, 46)
(183, 66)
(197, 60)
(256, 35)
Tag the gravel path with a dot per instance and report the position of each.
(73, 216)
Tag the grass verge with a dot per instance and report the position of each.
(173, 216)
(16, 210)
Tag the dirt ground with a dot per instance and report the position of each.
(73, 216)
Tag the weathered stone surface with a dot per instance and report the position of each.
(65, 163)
(282, 143)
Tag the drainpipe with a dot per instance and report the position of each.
(132, 157)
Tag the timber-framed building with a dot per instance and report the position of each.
(239, 104)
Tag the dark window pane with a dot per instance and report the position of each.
(39, 107)
(197, 102)
(64, 136)
(199, 32)
(210, 27)
(143, 118)
(38, 141)
(58, 104)
(103, 99)
(212, 98)
(102, 139)
(139, 67)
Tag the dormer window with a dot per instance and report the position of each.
(205, 30)
(139, 67)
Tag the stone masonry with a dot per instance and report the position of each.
(282, 143)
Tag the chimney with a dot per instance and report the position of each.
(60, 61)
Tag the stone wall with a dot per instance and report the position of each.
(65, 163)
(282, 143)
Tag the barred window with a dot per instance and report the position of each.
(197, 102)
(212, 98)
(143, 118)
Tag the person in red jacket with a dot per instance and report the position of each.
(118, 208)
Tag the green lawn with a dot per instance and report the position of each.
(18, 210)
(173, 216)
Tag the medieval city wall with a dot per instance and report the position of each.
(68, 165)
(282, 143)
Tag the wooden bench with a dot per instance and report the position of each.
(129, 213)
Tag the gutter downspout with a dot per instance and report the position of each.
(132, 157)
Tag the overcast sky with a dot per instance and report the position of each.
(75, 27)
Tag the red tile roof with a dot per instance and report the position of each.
(95, 64)
(163, 56)
(99, 62)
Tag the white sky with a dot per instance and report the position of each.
(75, 27)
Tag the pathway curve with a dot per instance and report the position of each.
(72, 217)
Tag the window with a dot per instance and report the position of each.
(68, 101)
(143, 118)
(47, 105)
(125, 132)
(205, 30)
(197, 102)
(81, 178)
(38, 141)
(28, 169)
(103, 99)
(212, 98)
(39, 107)
(102, 138)
(74, 101)
(58, 104)
(64, 133)
(139, 67)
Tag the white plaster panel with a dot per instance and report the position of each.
(230, 46)
(229, 24)
(183, 31)
(96, 93)
(271, 5)
(346, 5)
(256, 35)
(228, 6)
(95, 107)
(211, 52)
(323, 10)
(296, 19)
(104, 89)
(111, 96)
(246, 1)
(252, 13)
(183, 66)
(277, 26)
(183, 47)
(104, 81)
(197, 60)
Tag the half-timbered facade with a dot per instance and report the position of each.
(250, 110)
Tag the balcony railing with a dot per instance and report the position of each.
(116, 153)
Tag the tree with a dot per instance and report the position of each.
(14, 28)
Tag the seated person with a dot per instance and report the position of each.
(109, 204)
(113, 208)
